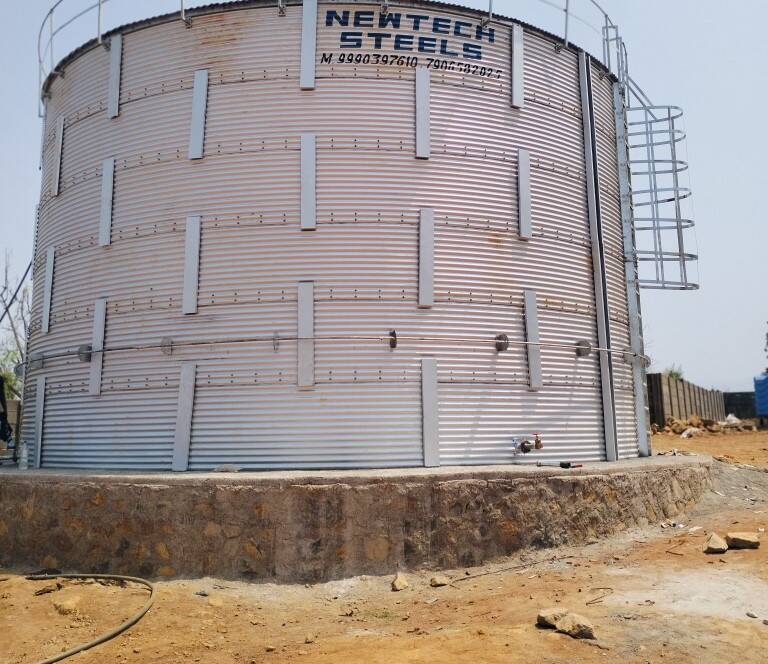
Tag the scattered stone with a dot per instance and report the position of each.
(715, 544)
(215, 602)
(226, 468)
(751, 615)
(439, 580)
(765, 622)
(4, 578)
(48, 589)
(68, 606)
(309, 638)
(743, 540)
(676, 426)
(202, 593)
(576, 626)
(270, 648)
(695, 421)
(549, 617)
(399, 582)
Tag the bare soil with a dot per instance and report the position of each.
(745, 447)
(652, 594)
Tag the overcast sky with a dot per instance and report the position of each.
(691, 53)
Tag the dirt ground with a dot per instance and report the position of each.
(745, 447)
(651, 594)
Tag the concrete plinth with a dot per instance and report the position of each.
(313, 526)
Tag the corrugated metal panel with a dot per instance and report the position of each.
(478, 422)
(129, 431)
(278, 427)
(366, 405)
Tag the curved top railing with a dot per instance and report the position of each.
(652, 133)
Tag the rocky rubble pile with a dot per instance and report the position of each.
(699, 426)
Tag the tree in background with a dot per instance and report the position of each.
(675, 371)
(13, 333)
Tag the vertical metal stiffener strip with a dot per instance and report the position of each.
(517, 92)
(423, 142)
(598, 258)
(50, 261)
(308, 45)
(115, 70)
(524, 194)
(199, 108)
(184, 409)
(97, 346)
(426, 257)
(305, 343)
(531, 314)
(57, 155)
(429, 414)
(43, 133)
(642, 415)
(191, 265)
(107, 191)
(39, 414)
(308, 178)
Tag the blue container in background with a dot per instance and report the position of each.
(761, 395)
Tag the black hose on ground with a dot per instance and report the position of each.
(107, 635)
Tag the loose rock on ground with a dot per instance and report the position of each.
(743, 540)
(715, 544)
(399, 582)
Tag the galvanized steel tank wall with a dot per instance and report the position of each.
(183, 274)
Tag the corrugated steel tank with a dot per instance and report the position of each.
(237, 218)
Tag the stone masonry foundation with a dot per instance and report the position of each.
(315, 526)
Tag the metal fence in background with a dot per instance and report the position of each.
(674, 397)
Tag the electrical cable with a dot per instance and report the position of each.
(111, 633)
(16, 292)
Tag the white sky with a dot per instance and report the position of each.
(697, 54)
